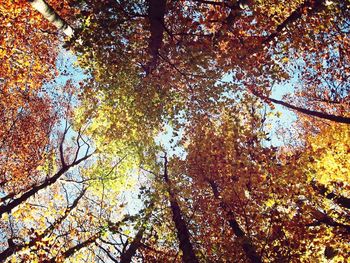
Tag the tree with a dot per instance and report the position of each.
(219, 154)
(12, 201)
(267, 199)
(203, 72)
(25, 139)
(188, 254)
(28, 114)
(38, 237)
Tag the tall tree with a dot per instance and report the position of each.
(205, 70)
(182, 232)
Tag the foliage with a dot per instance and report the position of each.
(83, 177)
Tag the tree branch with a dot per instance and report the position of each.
(49, 13)
(17, 201)
(339, 200)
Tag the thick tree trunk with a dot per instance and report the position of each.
(188, 254)
(247, 245)
(136, 242)
(49, 13)
(17, 201)
(134, 246)
(9, 251)
(321, 217)
(156, 13)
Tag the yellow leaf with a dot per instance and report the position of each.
(270, 203)
(285, 59)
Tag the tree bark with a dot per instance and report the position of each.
(156, 13)
(92, 239)
(313, 113)
(17, 201)
(134, 246)
(183, 234)
(136, 242)
(49, 13)
(9, 251)
(323, 218)
(247, 245)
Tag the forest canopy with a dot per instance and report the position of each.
(175, 131)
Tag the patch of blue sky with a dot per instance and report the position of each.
(68, 71)
(286, 117)
(169, 139)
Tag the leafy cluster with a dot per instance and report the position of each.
(163, 147)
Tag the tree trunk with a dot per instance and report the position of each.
(134, 246)
(339, 200)
(188, 255)
(247, 245)
(70, 252)
(49, 13)
(17, 201)
(156, 13)
(136, 242)
(322, 115)
(9, 251)
(308, 6)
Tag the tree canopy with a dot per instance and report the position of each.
(166, 137)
